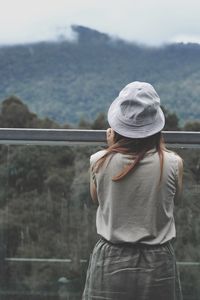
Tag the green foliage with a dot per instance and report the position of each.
(188, 225)
(100, 122)
(171, 120)
(15, 114)
(192, 126)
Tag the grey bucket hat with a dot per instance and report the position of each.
(136, 112)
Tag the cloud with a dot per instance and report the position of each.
(145, 21)
(185, 38)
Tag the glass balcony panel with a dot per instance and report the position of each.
(47, 222)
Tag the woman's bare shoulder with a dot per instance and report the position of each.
(96, 156)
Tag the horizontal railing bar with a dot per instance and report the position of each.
(25, 259)
(188, 263)
(35, 259)
(68, 260)
(77, 136)
(51, 136)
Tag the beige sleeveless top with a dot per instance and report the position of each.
(137, 208)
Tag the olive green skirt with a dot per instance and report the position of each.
(132, 272)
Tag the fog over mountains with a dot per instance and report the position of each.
(69, 80)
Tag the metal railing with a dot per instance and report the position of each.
(28, 136)
(16, 136)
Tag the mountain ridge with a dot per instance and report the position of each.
(70, 80)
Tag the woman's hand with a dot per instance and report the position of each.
(110, 135)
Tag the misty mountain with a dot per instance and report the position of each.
(67, 80)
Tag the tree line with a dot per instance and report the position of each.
(16, 114)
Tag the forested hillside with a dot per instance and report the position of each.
(68, 81)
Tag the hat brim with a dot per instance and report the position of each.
(132, 131)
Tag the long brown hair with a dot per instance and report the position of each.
(136, 148)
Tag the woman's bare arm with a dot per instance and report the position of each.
(179, 181)
(93, 190)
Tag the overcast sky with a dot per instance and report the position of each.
(151, 22)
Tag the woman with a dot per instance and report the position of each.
(135, 182)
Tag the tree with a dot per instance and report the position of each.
(84, 124)
(100, 122)
(15, 114)
(171, 120)
(192, 126)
